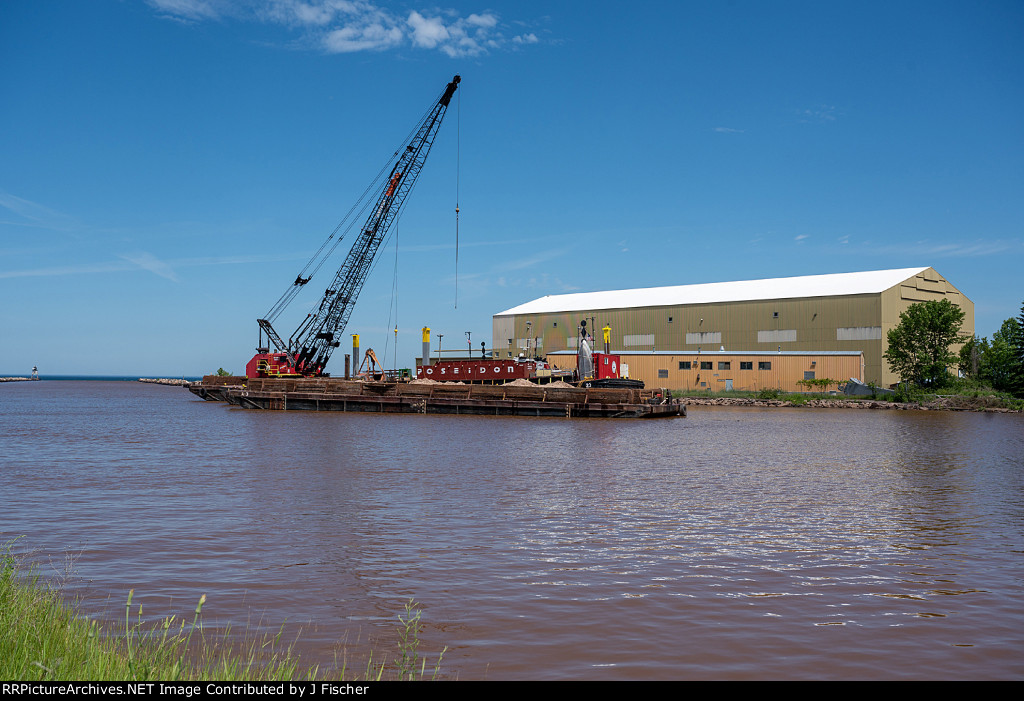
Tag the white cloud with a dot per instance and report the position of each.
(355, 38)
(427, 33)
(729, 130)
(486, 20)
(345, 26)
(188, 9)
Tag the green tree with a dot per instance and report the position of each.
(919, 346)
(1017, 343)
(973, 355)
(999, 364)
(1003, 366)
(976, 360)
(221, 372)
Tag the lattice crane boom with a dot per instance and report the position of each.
(310, 346)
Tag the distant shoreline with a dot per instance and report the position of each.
(102, 378)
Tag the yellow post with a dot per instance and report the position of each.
(426, 346)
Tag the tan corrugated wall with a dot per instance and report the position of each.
(784, 373)
(928, 285)
(815, 321)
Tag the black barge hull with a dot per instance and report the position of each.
(316, 394)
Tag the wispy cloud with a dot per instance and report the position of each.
(30, 213)
(423, 247)
(535, 259)
(729, 130)
(819, 114)
(526, 272)
(147, 261)
(188, 10)
(349, 26)
(968, 249)
(479, 282)
(135, 261)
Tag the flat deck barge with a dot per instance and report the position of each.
(330, 394)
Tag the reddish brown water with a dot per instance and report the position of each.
(733, 544)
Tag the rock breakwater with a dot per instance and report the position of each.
(941, 404)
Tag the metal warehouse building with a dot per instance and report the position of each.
(814, 321)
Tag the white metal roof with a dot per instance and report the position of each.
(871, 282)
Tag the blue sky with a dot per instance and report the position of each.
(167, 167)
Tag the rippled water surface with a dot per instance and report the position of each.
(732, 544)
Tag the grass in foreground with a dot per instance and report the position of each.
(42, 639)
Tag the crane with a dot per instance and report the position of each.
(308, 349)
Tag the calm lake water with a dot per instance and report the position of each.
(733, 544)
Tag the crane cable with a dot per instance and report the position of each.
(319, 258)
(458, 161)
(347, 223)
(394, 284)
(393, 307)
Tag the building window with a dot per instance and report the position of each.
(808, 374)
(726, 365)
(706, 364)
(556, 325)
(764, 365)
(684, 365)
(662, 374)
(775, 315)
(746, 365)
(670, 320)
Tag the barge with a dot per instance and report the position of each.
(513, 399)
